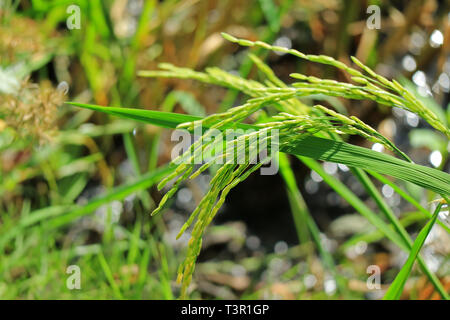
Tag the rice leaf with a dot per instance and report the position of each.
(311, 147)
(395, 290)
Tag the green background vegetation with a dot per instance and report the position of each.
(78, 186)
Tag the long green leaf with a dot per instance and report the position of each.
(395, 290)
(407, 197)
(389, 214)
(311, 147)
(159, 118)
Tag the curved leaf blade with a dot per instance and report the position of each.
(395, 290)
(311, 147)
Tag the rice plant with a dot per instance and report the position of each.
(310, 132)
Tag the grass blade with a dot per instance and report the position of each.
(303, 218)
(407, 197)
(311, 147)
(389, 214)
(396, 288)
(108, 274)
(355, 202)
